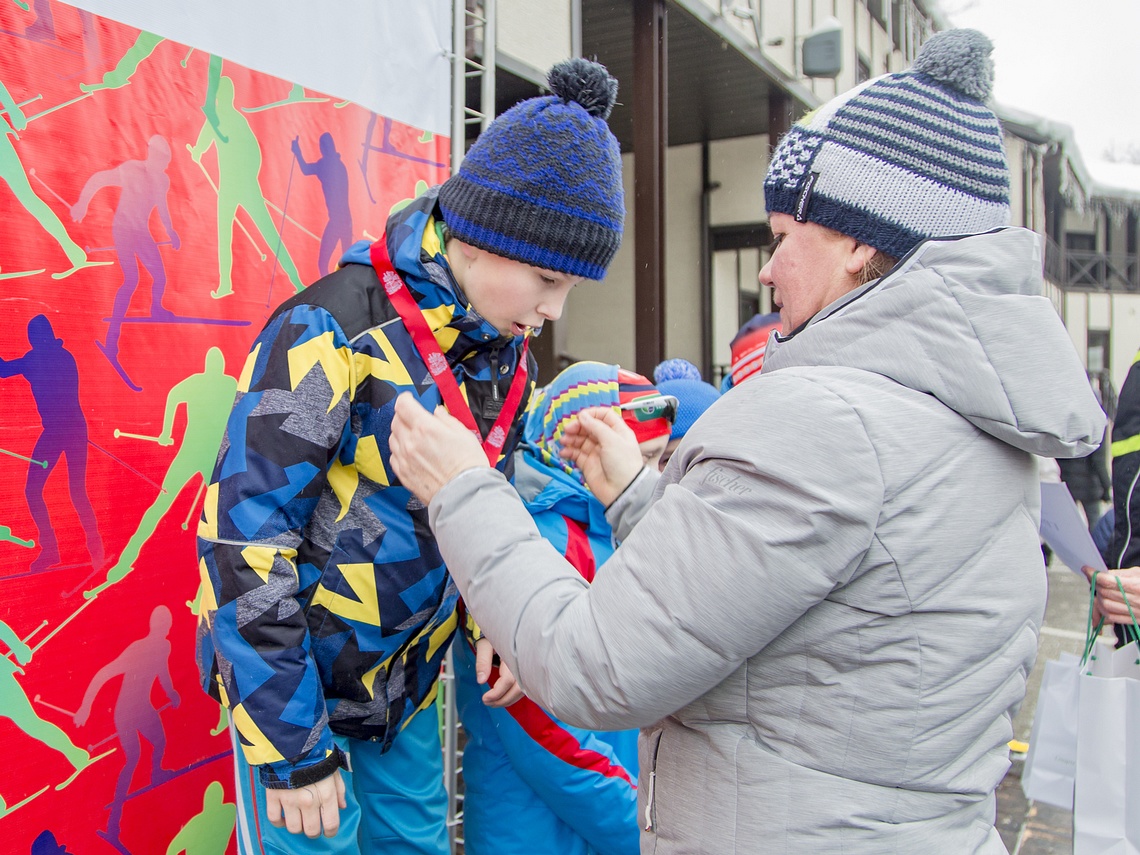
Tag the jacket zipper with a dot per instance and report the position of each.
(649, 802)
(495, 375)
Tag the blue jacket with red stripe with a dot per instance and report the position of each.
(533, 784)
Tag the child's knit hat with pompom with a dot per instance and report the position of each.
(681, 379)
(575, 388)
(542, 185)
(903, 157)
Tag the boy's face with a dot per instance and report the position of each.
(653, 449)
(508, 294)
(667, 455)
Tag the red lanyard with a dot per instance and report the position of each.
(436, 362)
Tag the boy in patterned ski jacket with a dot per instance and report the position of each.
(326, 608)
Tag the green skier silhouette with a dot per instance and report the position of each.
(14, 704)
(128, 64)
(209, 832)
(208, 397)
(296, 96)
(12, 173)
(239, 164)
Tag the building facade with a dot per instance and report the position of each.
(707, 87)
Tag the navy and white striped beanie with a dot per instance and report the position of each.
(903, 157)
(542, 185)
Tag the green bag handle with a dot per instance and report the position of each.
(1091, 634)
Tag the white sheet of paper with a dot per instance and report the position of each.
(1064, 529)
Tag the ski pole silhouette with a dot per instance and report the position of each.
(7, 536)
(42, 463)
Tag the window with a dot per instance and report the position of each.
(1086, 265)
(738, 252)
(898, 24)
(862, 69)
(1098, 351)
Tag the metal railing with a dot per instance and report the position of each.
(470, 18)
(452, 753)
(1090, 270)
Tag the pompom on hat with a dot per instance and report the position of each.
(681, 379)
(542, 185)
(903, 157)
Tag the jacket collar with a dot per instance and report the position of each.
(417, 253)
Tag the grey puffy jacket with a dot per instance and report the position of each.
(825, 619)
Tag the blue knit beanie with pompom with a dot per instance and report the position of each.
(542, 185)
(681, 379)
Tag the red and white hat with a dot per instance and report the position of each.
(647, 411)
(749, 345)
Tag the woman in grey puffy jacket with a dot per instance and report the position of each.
(826, 615)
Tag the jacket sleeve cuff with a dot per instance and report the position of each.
(467, 624)
(286, 776)
(628, 508)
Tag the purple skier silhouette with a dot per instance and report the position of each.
(145, 186)
(385, 147)
(140, 665)
(331, 172)
(42, 29)
(51, 371)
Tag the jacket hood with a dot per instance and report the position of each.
(548, 488)
(575, 388)
(963, 319)
(418, 256)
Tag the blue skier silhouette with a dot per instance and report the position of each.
(51, 371)
(333, 175)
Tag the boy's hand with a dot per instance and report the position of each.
(311, 809)
(505, 690)
(428, 450)
(601, 444)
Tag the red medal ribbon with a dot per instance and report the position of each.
(436, 362)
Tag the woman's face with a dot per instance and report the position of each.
(810, 267)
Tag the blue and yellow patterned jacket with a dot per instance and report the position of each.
(326, 606)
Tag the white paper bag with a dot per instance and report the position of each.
(1051, 764)
(1106, 803)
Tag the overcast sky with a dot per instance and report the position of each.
(1073, 61)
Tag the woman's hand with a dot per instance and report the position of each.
(429, 449)
(603, 447)
(1109, 601)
